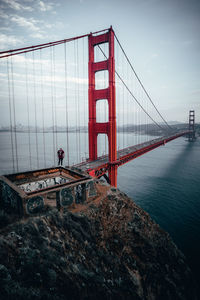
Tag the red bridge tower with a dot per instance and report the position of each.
(191, 137)
(95, 95)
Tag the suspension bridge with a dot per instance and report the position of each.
(96, 109)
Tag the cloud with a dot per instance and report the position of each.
(45, 6)
(22, 59)
(17, 6)
(8, 41)
(38, 35)
(27, 23)
(7, 29)
(3, 75)
(33, 25)
(30, 24)
(3, 15)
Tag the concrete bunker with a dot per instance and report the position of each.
(29, 192)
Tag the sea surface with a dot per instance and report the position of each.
(164, 182)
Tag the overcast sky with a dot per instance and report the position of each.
(160, 37)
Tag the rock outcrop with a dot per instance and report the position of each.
(110, 249)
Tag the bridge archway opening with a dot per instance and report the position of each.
(101, 52)
(101, 80)
(102, 144)
(102, 111)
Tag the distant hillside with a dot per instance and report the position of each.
(150, 129)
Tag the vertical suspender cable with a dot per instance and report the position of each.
(14, 115)
(84, 102)
(125, 109)
(148, 121)
(147, 131)
(123, 104)
(10, 115)
(145, 118)
(76, 119)
(66, 104)
(138, 121)
(105, 116)
(78, 103)
(140, 117)
(28, 113)
(136, 117)
(117, 98)
(35, 105)
(128, 106)
(55, 98)
(140, 113)
(147, 109)
(132, 115)
(52, 108)
(42, 96)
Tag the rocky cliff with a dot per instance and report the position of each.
(108, 249)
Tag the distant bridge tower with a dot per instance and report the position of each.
(108, 128)
(191, 136)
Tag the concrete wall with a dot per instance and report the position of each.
(18, 202)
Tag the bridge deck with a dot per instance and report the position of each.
(101, 164)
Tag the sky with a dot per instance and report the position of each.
(160, 37)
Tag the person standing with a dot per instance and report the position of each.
(61, 155)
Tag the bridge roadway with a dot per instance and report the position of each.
(100, 166)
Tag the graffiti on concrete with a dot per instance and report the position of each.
(91, 189)
(34, 205)
(11, 201)
(42, 184)
(79, 193)
(66, 197)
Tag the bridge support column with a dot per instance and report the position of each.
(191, 136)
(112, 173)
(108, 128)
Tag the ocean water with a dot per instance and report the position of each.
(164, 182)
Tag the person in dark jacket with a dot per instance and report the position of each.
(61, 155)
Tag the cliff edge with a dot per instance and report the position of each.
(108, 249)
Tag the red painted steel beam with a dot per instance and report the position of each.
(94, 95)
(105, 167)
(128, 157)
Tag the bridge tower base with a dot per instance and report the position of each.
(94, 95)
(191, 136)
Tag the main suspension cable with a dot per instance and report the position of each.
(12, 52)
(141, 83)
(132, 94)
